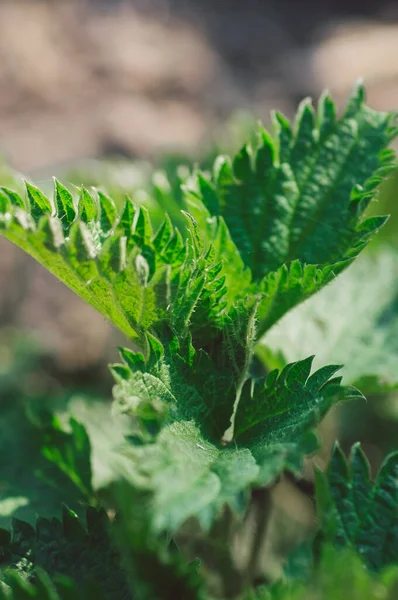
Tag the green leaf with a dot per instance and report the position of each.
(64, 204)
(71, 452)
(17, 588)
(85, 554)
(238, 278)
(272, 227)
(360, 514)
(113, 558)
(88, 208)
(139, 280)
(289, 286)
(145, 555)
(180, 430)
(39, 204)
(354, 321)
(30, 484)
(204, 476)
(294, 205)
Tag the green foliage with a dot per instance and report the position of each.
(363, 336)
(139, 280)
(195, 307)
(157, 568)
(71, 452)
(102, 555)
(358, 513)
(66, 548)
(30, 483)
(179, 427)
(17, 588)
(293, 218)
(208, 422)
(295, 205)
(339, 575)
(290, 183)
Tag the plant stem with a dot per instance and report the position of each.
(262, 510)
(221, 536)
(215, 550)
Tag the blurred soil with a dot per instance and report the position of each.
(82, 79)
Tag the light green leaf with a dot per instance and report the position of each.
(181, 402)
(354, 320)
(137, 279)
(204, 477)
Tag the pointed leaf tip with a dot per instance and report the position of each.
(88, 209)
(64, 204)
(108, 212)
(39, 203)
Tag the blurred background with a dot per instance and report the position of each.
(102, 91)
(139, 79)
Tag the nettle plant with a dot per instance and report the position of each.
(210, 420)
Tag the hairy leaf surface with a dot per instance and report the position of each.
(181, 403)
(294, 204)
(281, 221)
(138, 279)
